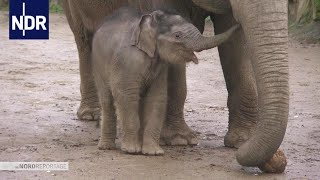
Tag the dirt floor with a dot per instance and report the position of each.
(39, 82)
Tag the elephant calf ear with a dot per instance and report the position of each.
(144, 36)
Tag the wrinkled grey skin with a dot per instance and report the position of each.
(131, 71)
(84, 18)
(254, 62)
(255, 65)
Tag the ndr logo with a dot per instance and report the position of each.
(29, 19)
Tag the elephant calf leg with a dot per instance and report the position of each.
(109, 121)
(127, 108)
(154, 114)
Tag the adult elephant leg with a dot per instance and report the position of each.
(89, 107)
(175, 130)
(240, 82)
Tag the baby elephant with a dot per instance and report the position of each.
(130, 56)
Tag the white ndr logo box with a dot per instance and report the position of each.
(29, 19)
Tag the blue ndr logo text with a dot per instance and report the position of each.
(29, 19)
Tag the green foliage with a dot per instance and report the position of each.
(305, 20)
(4, 5)
(316, 15)
(5, 8)
(305, 13)
(55, 8)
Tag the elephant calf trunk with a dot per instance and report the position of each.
(204, 43)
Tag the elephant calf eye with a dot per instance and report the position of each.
(178, 35)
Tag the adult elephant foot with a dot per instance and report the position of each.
(236, 137)
(178, 134)
(88, 113)
(242, 122)
(242, 119)
(89, 109)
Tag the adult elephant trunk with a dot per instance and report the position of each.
(265, 26)
(200, 42)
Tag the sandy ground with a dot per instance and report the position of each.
(39, 82)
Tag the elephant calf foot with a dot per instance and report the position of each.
(89, 113)
(152, 150)
(178, 135)
(131, 145)
(106, 145)
(236, 137)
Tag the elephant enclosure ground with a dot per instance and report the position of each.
(39, 83)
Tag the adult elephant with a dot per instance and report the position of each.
(255, 68)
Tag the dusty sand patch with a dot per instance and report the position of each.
(40, 94)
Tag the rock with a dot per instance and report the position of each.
(277, 164)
